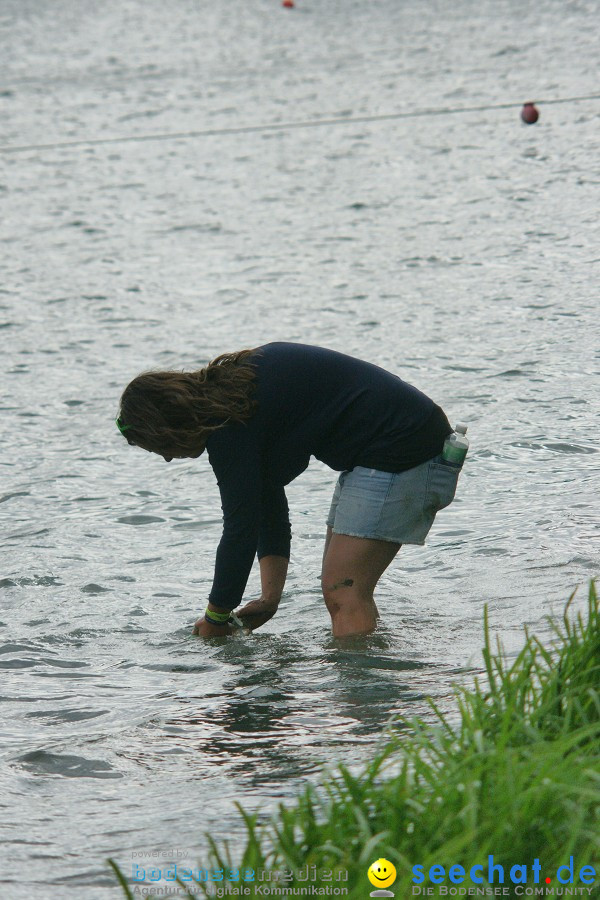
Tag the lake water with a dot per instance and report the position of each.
(458, 250)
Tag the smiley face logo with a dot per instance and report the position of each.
(382, 873)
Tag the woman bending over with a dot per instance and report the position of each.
(262, 414)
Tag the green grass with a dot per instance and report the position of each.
(518, 777)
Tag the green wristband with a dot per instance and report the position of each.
(216, 618)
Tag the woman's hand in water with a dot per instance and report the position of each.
(206, 629)
(273, 570)
(257, 612)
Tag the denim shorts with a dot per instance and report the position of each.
(388, 506)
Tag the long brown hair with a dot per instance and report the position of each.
(175, 412)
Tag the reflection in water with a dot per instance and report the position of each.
(285, 709)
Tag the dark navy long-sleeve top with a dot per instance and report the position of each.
(310, 402)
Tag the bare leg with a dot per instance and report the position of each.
(352, 566)
(326, 548)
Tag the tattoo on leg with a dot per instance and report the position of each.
(347, 583)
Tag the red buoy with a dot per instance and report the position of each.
(289, 4)
(529, 114)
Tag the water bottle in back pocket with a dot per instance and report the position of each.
(456, 446)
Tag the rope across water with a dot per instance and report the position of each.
(283, 126)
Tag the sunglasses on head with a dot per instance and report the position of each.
(123, 429)
(121, 425)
